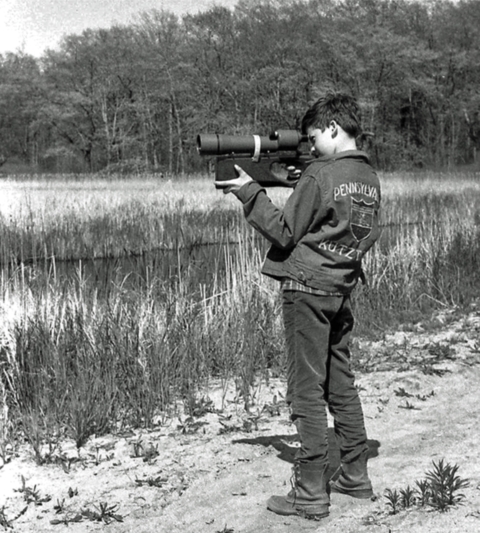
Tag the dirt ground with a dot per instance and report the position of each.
(214, 473)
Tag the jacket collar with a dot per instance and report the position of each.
(352, 154)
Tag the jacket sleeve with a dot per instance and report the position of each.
(283, 228)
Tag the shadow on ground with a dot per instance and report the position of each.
(285, 445)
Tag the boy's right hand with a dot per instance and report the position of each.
(236, 184)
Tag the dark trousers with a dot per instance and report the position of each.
(317, 331)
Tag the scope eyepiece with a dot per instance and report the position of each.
(288, 138)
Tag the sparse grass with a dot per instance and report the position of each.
(89, 346)
(32, 495)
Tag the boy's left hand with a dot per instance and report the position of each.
(236, 184)
(294, 173)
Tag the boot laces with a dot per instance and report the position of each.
(294, 478)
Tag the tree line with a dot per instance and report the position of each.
(134, 97)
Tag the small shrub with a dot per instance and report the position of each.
(440, 489)
(393, 500)
(445, 485)
(423, 492)
(407, 497)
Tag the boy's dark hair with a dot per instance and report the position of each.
(341, 108)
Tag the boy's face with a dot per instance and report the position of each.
(323, 142)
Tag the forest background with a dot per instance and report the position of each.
(134, 97)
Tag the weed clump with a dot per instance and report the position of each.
(445, 484)
(440, 489)
(393, 500)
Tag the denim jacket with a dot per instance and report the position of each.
(327, 225)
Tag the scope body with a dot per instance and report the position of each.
(267, 159)
(219, 144)
(270, 171)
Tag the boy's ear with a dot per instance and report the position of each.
(334, 129)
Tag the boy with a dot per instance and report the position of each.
(318, 241)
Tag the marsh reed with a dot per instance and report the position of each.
(91, 342)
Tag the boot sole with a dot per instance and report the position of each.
(301, 513)
(289, 510)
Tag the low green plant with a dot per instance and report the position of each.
(409, 406)
(445, 485)
(201, 407)
(402, 393)
(442, 351)
(103, 513)
(423, 492)
(439, 489)
(189, 425)
(7, 523)
(152, 481)
(32, 495)
(147, 453)
(407, 497)
(394, 500)
(425, 397)
(59, 507)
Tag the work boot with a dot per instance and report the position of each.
(353, 480)
(308, 497)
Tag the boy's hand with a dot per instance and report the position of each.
(236, 184)
(294, 173)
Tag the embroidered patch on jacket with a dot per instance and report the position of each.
(361, 218)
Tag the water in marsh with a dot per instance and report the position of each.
(192, 267)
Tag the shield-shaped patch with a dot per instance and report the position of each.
(361, 218)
